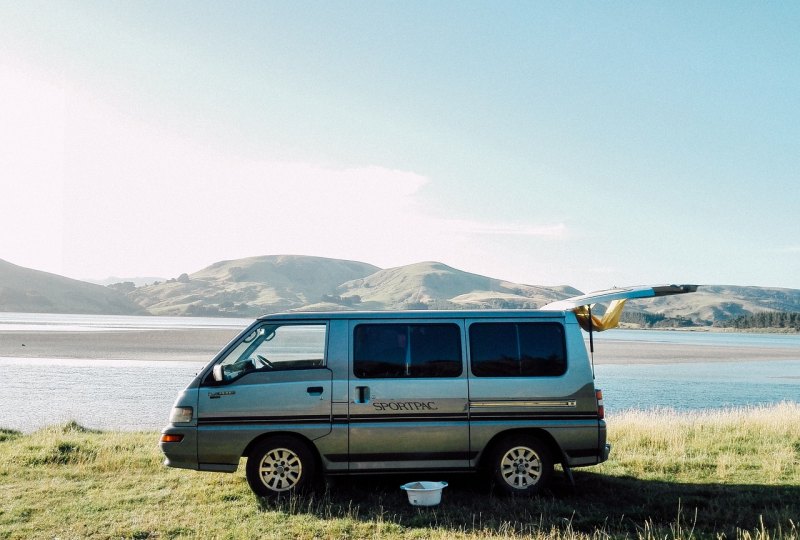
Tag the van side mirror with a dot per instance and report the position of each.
(217, 373)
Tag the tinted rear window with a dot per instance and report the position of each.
(406, 350)
(517, 349)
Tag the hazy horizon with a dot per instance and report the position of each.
(149, 280)
(588, 145)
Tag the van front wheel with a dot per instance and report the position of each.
(521, 465)
(279, 465)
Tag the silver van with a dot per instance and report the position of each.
(509, 393)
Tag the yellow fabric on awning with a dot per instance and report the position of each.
(610, 318)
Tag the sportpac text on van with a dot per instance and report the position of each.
(509, 393)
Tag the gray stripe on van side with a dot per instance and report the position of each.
(549, 404)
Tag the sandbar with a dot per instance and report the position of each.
(630, 352)
(201, 344)
(185, 344)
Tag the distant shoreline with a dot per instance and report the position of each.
(8, 318)
(710, 329)
(202, 344)
(190, 344)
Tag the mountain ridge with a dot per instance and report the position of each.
(257, 285)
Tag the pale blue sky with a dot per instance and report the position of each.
(590, 144)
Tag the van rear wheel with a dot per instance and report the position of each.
(279, 466)
(521, 465)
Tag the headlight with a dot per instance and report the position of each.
(180, 415)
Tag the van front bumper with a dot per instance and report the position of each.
(183, 454)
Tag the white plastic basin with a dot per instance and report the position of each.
(424, 493)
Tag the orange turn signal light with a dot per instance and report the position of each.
(167, 437)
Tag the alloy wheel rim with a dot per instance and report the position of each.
(521, 467)
(280, 469)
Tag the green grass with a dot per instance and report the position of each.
(731, 474)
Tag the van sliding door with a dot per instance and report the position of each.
(408, 395)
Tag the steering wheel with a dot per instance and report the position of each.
(264, 362)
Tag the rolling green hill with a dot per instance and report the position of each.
(250, 286)
(32, 291)
(433, 284)
(267, 284)
(716, 303)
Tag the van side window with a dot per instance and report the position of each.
(517, 349)
(382, 351)
(274, 347)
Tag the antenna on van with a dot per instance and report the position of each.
(591, 338)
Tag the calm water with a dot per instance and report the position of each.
(137, 395)
(105, 394)
(51, 322)
(698, 385)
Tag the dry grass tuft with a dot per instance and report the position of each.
(750, 444)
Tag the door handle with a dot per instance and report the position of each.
(362, 394)
(314, 390)
(217, 395)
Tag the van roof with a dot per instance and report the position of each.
(415, 314)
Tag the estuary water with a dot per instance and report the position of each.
(693, 386)
(696, 385)
(138, 394)
(57, 322)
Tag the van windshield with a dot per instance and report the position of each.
(276, 347)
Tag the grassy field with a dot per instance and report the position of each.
(731, 474)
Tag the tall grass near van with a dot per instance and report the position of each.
(756, 445)
(731, 474)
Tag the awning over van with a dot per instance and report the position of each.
(581, 305)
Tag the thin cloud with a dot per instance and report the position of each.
(558, 230)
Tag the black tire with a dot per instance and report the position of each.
(280, 465)
(520, 465)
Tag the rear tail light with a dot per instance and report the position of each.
(601, 410)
